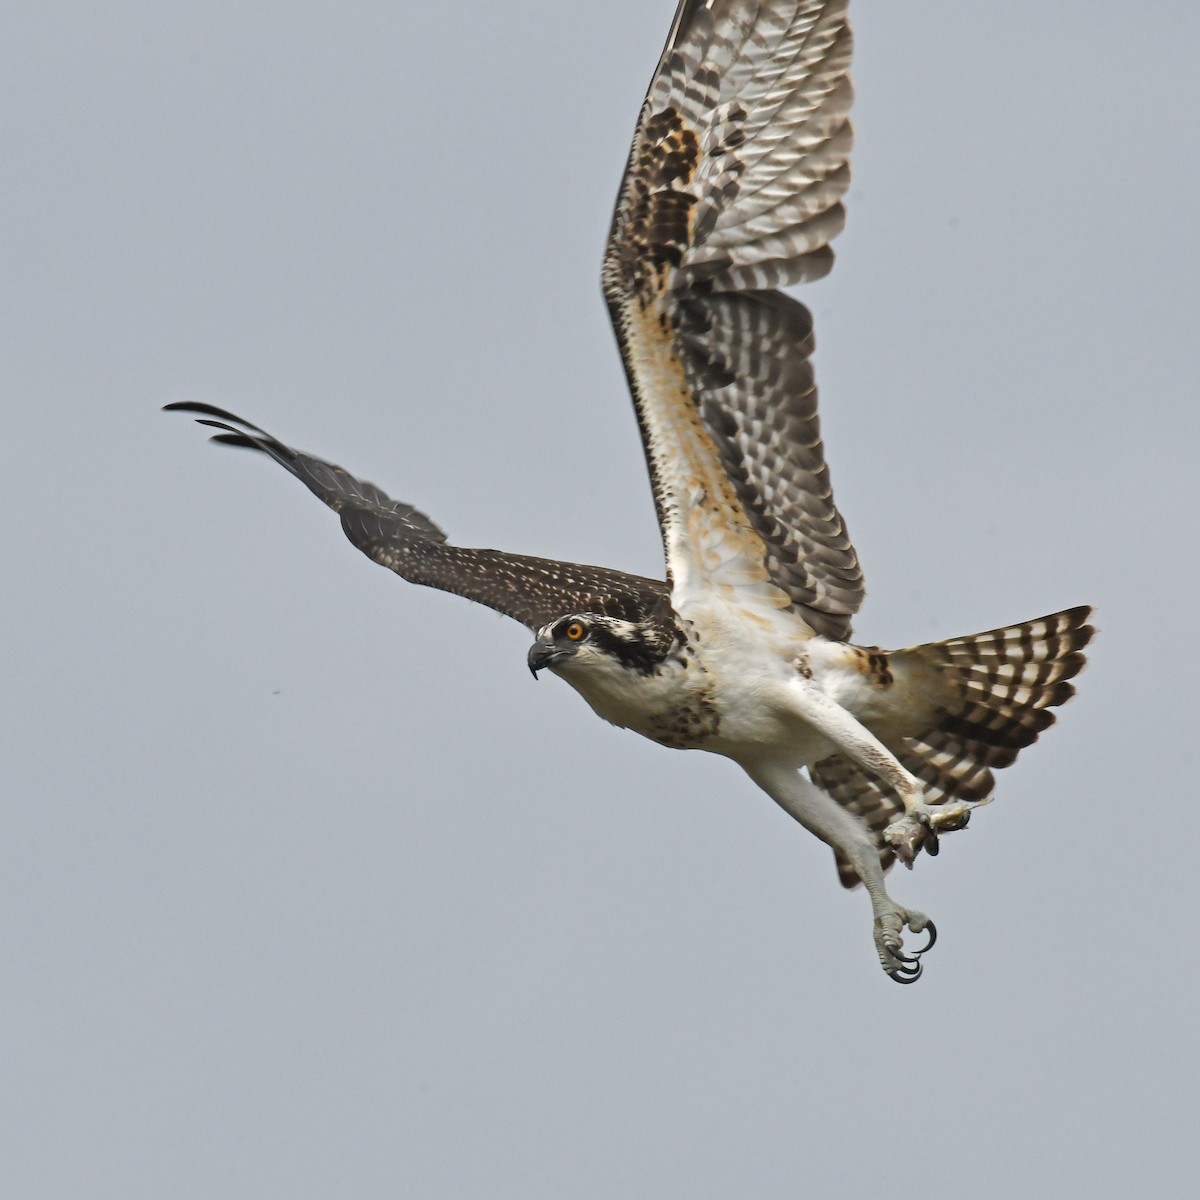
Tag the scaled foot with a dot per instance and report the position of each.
(902, 966)
(918, 829)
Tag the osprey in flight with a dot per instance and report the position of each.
(733, 190)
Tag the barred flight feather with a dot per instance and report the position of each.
(531, 590)
(734, 186)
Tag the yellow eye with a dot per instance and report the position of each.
(575, 631)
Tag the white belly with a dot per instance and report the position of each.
(723, 693)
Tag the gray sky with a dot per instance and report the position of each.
(306, 889)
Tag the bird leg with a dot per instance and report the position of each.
(822, 815)
(850, 737)
(918, 829)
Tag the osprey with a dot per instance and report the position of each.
(733, 190)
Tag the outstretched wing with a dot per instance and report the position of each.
(734, 186)
(534, 591)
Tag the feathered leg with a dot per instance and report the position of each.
(920, 824)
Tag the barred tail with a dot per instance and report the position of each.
(1003, 684)
(993, 694)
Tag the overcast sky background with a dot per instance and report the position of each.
(306, 889)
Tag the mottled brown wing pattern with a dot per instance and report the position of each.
(534, 591)
(748, 362)
(1000, 686)
(767, 83)
(734, 185)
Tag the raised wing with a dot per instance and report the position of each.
(734, 185)
(534, 591)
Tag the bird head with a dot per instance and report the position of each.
(581, 642)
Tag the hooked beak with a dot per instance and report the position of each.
(544, 653)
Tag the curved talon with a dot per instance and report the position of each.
(905, 966)
(931, 929)
(903, 963)
(907, 974)
(931, 846)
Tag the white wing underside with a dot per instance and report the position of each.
(711, 550)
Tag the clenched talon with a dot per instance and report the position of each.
(931, 844)
(919, 828)
(907, 835)
(902, 966)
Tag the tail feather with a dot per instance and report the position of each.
(995, 690)
(1002, 682)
